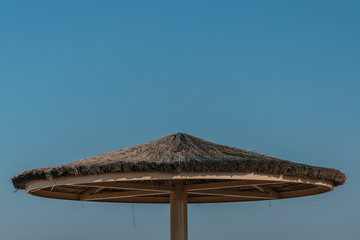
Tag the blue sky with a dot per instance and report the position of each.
(81, 78)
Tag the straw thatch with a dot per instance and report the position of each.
(180, 153)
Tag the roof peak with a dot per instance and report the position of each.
(180, 141)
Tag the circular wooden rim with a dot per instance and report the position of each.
(129, 187)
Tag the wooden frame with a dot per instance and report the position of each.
(127, 187)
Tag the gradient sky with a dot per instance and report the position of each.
(80, 78)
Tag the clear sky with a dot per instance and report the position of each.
(79, 78)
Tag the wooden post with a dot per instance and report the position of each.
(178, 213)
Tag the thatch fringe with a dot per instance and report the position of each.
(180, 153)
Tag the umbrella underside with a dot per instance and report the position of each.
(157, 190)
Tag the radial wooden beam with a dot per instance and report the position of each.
(267, 189)
(225, 184)
(191, 200)
(124, 194)
(58, 195)
(139, 199)
(122, 185)
(304, 192)
(229, 193)
(215, 199)
(89, 192)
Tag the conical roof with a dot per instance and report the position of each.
(176, 153)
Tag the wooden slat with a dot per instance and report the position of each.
(149, 199)
(59, 195)
(89, 192)
(208, 199)
(304, 192)
(125, 194)
(215, 199)
(267, 189)
(230, 193)
(225, 184)
(133, 186)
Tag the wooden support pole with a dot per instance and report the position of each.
(178, 213)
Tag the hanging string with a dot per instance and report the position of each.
(270, 203)
(82, 203)
(53, 186)
(133, 213)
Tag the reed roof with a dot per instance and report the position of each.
(180, 153)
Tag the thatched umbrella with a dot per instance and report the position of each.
(178, 169)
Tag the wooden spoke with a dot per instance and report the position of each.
(120, 185)
(226, 184)
(229, 193)
(89, 192)
(267, 189)
(125, 194)
(149, 199)
(304, 192)
(59, 195)
(214, 199)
